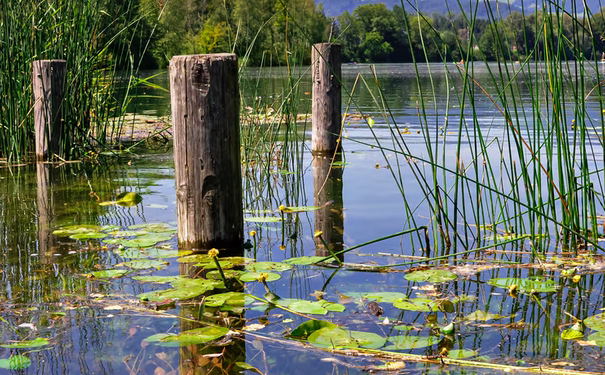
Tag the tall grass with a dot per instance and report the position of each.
(539, 174)
(94, 38)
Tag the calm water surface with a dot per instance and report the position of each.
(100, 326)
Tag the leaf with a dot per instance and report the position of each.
(431, 276)
(290, 210)
(88, 236)
(17, 362)
(385, 296)
(332, 306)
(230, 298)
(194, 336)
(129, 199)
(253, 276)
(248, 367)
(212, 265)
(598, 338)
(484, 316)
(411, 342)
(144, 264)
(570, 334)
(537, 284)
(109, 274)
(264, 219)
(304, 261)
(156, 279)
(307, 307)
(417, 304)
(182, 291)
(195, 258)
(229, 274)
(461, 353)
(332, 337)
(596, 322)
(268, 266)
(40, 341)
(308, 327)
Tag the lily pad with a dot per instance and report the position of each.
(212, 265)
(336, 337)
(431, 276)
(596, 322)
(151, 226)
(536, 284)
(385, 296)
(35, 343)
(229, 298)
(108, 274)
(263, 219)
(253, 276)
(229, 274)
(193, 337)
(310, 326)
(290, 210)
(417, 304)
(411, 342)
(183, 291)
(311, 307)
(144, 264)
(598, 338)
(461, 353)
(16, 362)
(88, 236)
(268, 266)
(156, 279)
(75, 229)
(304, 261)
(129, 199)
(570, 334)
(483, 316)
(195, 258)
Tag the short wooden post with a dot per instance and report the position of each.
(205, 118)
(48, 80)
(327, 117)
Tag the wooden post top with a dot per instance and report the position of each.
(213, 56)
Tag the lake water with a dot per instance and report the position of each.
(53, 286)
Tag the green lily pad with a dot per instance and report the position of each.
(598, 337)
(158, 336)
(156, 279)
(35, 343)
(304, 261)
(268, 266)
(108, 274)
(16, 362)
(144, 264)
(113, 241)
(151, 226)
(417, 304)
(431, 276)
(229, 298)
(291, 210)
(147, 240)
(129, 199)
(311, 307)
(484, 316)
(253, 276)
(195, 258)
(88, 236)
(193, 337)
(461, 353)
(229, 274)
(596, 322)
(263, 219)
(110, 228)
(336, 337)
(385, 296)
(411, 342)
(332, 306)
(182, 290)
(248, 367)
(310, 326)
(75, 229)
(570, 334)
(236, 261)
(212, 265)
(537, 284)
(404, 327)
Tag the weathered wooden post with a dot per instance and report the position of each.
(327, 183)
(205, 118)
(45, 201)
(326, 73)
(48, 80)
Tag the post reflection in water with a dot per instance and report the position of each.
(212, 359)
(327, 181)
(45, 203)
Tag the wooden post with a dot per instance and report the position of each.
(327, 183)
(327, 117)
(48, 79)
(44, 198)
(205, 118)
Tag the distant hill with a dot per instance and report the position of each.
(336, 7)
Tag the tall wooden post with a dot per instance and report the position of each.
(327, 183)
(44, 198)
(48, 80)
(327, 117)
(205, 117)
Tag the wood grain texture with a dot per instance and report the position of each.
(205, 116)
(327, 96)
(49, 79)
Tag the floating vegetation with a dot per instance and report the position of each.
(35, 343)
(16, 362)
(190, 337)
(530, 285)
(431, 276)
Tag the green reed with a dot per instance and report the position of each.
(94, 37)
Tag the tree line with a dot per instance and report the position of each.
(280, 32)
